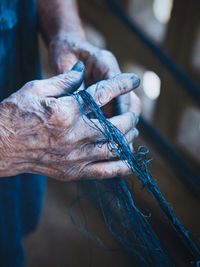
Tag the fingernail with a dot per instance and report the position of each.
(137, 118)
(136, 81)
(78, 66)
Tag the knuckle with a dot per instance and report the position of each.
(33, 84)
(49, 103)
(117, 170)
(106, 152)
(54, 112)
(106, 57)
(104, 92)
(132, 135)
(107, 53)
(120, 84)
(73, 79)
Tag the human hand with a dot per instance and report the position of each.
(100, 64)
(43, 131)
(66, 48)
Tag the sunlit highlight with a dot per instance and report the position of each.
(151, 84)
(162, 10)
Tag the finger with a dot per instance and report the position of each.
(112, 69)
(103, 151)
(105, 68)
(129, 102)
(123, 103)
(90, 65)
(131, 135)
(65, 62)
(63, 84)
(104, 91)
(101, 65)
(124, 122)
(135, 104)
(92, 134)
(105, 170)
(106, 65)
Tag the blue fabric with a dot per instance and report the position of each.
(8, 17)
(20, 196)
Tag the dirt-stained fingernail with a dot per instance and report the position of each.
(78, 66)
(135, 80)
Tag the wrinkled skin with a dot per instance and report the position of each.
(43, 131)
(66, 48)
(63, 33)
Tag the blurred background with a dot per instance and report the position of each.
(170, 107)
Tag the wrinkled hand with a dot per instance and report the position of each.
(100, 64)
(44, 131)
(65, 49)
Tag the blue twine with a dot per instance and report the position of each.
(144, 249)
(170, 154)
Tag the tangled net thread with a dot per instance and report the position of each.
(123, 219)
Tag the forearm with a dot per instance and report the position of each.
(58, 17)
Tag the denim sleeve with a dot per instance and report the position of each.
(8, 14)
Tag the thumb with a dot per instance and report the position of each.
(64, 84)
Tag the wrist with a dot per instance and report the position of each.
(68, 38)
(70, 42)
(58, 16)
(63, 30)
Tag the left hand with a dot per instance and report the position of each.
(100, 64)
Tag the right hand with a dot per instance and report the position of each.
(44, 132)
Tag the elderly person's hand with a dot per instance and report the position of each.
(42, 130)
(66, 48)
